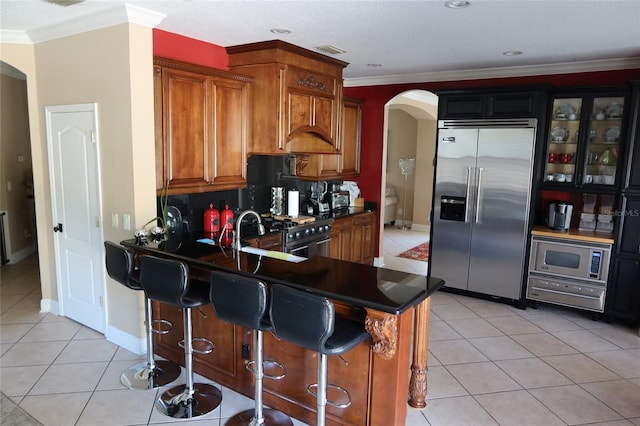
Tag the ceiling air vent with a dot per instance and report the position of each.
(63, 2)
(332, 50)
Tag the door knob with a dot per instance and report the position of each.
(57, 228)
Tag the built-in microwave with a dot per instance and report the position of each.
(568, 272)
(581, 260)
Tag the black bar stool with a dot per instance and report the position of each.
(150, 374)
(309, 321)
(167, 281)
(243, 301)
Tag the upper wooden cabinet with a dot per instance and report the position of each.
(345, 165)
(201, 127)
(350, 147)
(297, 102)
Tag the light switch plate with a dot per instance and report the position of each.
(126, 222)
(114, 220)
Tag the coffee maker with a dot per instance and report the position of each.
(317, 197)
(560, 215)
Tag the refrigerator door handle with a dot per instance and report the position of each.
(467, 195)
(478, 194)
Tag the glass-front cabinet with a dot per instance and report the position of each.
(585, 141)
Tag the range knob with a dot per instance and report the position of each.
(298, 235)
(307, 232)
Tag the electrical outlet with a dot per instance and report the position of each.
(246, 351)
(114, 220)
(126, 222)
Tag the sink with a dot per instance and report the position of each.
(273, 254)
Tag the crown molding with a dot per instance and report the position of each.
(120, 14)
(506, 72)
(14, 37)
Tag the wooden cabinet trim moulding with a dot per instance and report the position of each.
(200, 69)
(383, 329)
(282, 49)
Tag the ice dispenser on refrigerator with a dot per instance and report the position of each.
(452, 208)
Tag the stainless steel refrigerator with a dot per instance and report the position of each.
(481, 204)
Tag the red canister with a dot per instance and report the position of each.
(226, 225)
(211, 220)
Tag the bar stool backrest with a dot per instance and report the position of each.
(120, 265)
(164, 280)
(239, 300)
(301, 318)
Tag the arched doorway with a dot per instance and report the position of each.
(410, 128)
(17, 205)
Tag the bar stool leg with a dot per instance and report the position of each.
(150, 374)
(322, 388)
(193, 399)
(259, 415)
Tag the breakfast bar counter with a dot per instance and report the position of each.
(376, 372)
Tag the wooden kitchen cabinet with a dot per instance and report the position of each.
(297, 103)
(350, 145)
(352, 238)
(363, 244)
(344, 165)
(201, 127)
(341, 237)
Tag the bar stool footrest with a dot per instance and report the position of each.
(268, 364)
(338, 389)
(209, 346)
(159, 330)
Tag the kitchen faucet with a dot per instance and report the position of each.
(236, 238)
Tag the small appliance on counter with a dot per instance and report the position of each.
(338, 200)
(560, 215)
(317, 197)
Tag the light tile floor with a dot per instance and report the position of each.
(489, 364)
(395, 241)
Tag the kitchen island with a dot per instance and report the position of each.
(376, 372)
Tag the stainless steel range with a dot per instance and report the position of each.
(302, 239)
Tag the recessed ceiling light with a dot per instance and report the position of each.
(374, 65)
(457, 4)
(512, 53)
(280, 31)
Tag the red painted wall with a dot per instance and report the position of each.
(181, 48)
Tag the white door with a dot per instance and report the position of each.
(75, 198)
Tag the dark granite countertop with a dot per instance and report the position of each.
(360, 285)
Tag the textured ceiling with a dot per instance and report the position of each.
(411, 40)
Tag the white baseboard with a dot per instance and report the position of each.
(21, 254)
(420, 227)
(50, 306)
(131, 343)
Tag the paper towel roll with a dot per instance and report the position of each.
(293, 203)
